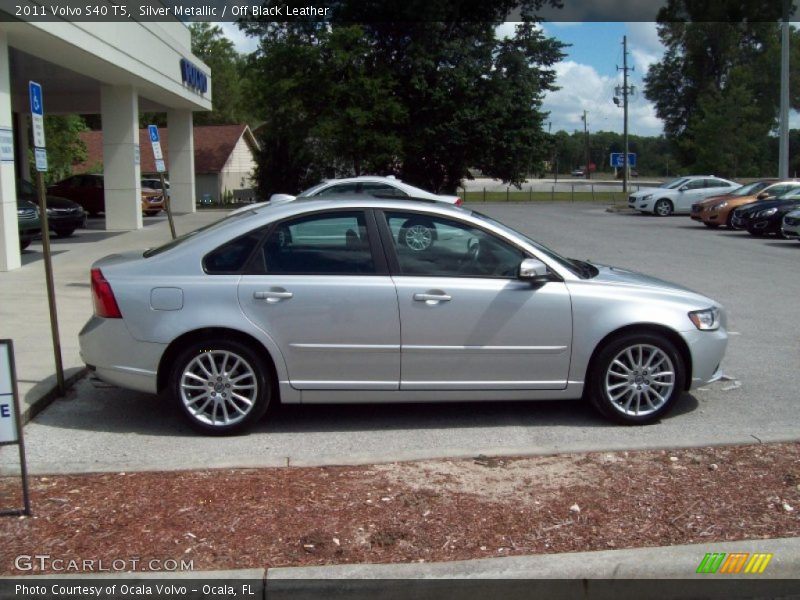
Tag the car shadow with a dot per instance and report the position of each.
(112, 410)
(85, 236)
(32, 255)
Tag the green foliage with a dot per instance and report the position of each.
(64, 146)
(211, 46)
(717, 86)
(421, 98)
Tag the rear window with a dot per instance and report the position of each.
(186, 236)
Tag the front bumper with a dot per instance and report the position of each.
(118, 358)
(707, 349)
(75, 221)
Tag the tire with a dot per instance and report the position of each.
(24, 243)
(64, 232)
(663, 208)
(225, 364)
(624, 393)
(710, 225)
(417, 235)
(729, 220)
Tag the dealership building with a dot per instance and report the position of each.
(116, 70)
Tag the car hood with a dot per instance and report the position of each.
(646, 190)
(764, 204)
(716, 199)
(611, 275)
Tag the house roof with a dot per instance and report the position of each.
(213, 145)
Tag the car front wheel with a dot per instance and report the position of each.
(221, 387)
(663, 208)
(636, 378)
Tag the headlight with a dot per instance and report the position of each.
(719, 206)
(706, 319)
(647, 197)
(49, 211)
(767, 212)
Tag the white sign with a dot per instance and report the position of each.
(8, 423)
(41, 159)
(160, 165)
(136, 155)
(37, 113)
(6, 144)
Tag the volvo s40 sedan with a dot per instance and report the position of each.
(320, 301)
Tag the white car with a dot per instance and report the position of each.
(791, 225)
(678, 195)
(369, 185)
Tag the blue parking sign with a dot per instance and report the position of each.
(153, 130)
(35, 93)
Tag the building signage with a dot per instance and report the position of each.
(193, 77)
(6, 144)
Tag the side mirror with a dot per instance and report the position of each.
(762, 195)
(683, 188)
(533, 270)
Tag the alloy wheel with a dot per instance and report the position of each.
(640, 380)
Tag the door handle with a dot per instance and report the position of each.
(273, 296)
(433, 297)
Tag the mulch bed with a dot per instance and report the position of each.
(434, 510)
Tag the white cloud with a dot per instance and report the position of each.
(241, 42)
(644, 44)
(583, 88)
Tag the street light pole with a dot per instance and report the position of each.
(783, 152)
(586, 146)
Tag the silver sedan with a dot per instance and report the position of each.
(320, 301)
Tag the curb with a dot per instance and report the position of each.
(45, 398)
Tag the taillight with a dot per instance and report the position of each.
(105, 305)
(459, 202)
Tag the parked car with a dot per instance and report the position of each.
(88, 190)
(766, 216)
(721, 211)
(369, 185)
(578, 173)
(63, 216)
(28, 222)
(791, 225)
(326, 301)
(678, 195)
(154, 183)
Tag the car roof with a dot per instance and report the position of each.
(301, 205)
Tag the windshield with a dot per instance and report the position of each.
(750, 188)
(182, 238)
(577, 267)
(675, 183)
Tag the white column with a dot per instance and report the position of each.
(9, 232)
(181, 161)
(119, 107)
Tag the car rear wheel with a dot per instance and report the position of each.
(64, 232)
(418, 234)
(663, 208)
(636, 378)
(221, 387)
(24, 243)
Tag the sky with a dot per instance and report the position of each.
(587, 75)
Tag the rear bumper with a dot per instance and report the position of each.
(117, 357)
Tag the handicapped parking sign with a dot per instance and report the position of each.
(153, 129)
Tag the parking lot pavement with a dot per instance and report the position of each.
(99, 429)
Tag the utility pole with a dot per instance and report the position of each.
(626, 91)
(783, 152)
(586, 146)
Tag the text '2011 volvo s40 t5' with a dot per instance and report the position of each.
(320, 301)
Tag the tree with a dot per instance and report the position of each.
(211, 46)
(719, 65)
(64, 146)
(421, 97)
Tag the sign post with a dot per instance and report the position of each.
(37, 117)
(10, 422)
(155, 141)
